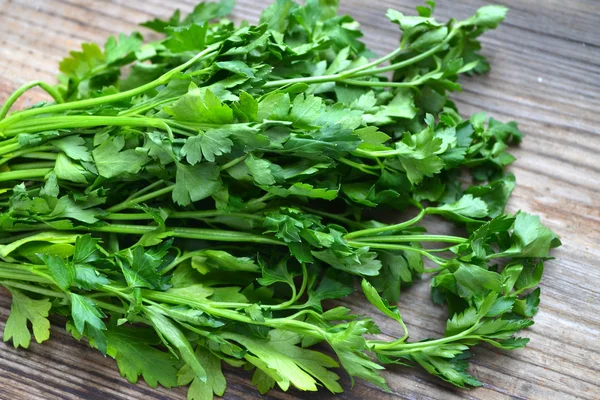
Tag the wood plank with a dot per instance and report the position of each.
(546, 75)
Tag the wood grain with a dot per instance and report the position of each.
(546, 75)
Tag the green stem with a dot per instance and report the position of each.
(23, 152)
(412, 238)
(379, 347)
(22, 276)
(389, 56)
(34, 289)
(132, 202)
(361, 71)
(410, 61)
(32, 165)
(383, 246)
(19, 92)
(332, 216)
(145, 189)
(10, 148)
(307, 329)
(181, 215)
(24, 175)
(360, 167)
(88, 121)
(41, 155)
(356, 82)
(74, 105)
(387, 228)
(189, 233)
(233, 162)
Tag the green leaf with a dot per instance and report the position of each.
(451, 370)
(530, 238)
(133, 350)
(284, 226)
(465, 209)
(196, 106)
(361, 262)
(274, 106)
(142, 265)
(88, 278)
(276, 15)
(334, 285)
(111, 160)
(488, 16)
(215, 380)
(68, 208)
(74, 147)
(87, 315)
(194, 183)
(528, 306)
(172, 335)
(86, 249)
(80, 63)
(214, 142)
(186, 38)
(246, 109)
(210, 260)
(307, 190)
(305, 110)
(383, 306)
(237, 67)
(24, 309)
(62, 272)
(121, 49)
(474, 280)
(260, 170)
(67, 169)
(279, 273)
(291, 364)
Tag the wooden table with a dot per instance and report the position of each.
(546, 75)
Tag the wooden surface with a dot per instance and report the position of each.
(546, 75)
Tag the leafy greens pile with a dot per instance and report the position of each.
(206, 198)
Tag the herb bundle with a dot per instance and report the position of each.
(212, 197)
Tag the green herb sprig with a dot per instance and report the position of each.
(217, 202)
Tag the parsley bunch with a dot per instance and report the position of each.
(216, 202)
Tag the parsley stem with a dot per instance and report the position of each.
(132, 202)
(360, 167)
(233, 162)
(383, 347)
(410, 61)
(74, 105)
(145, 189)
(413, 238)
(20, 91)
(88, 121)
(356, 82)
(387, 228)
(179, 214)
(24, 174)
(308, 329)
(23, 152)
(345, 77)
(34, 289)
(190, 233)
(32, 165)
(374, 63)
(332, 216)
(384, 246)
(21, 276)
(9, 148)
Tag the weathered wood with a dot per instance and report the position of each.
(546, 75)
